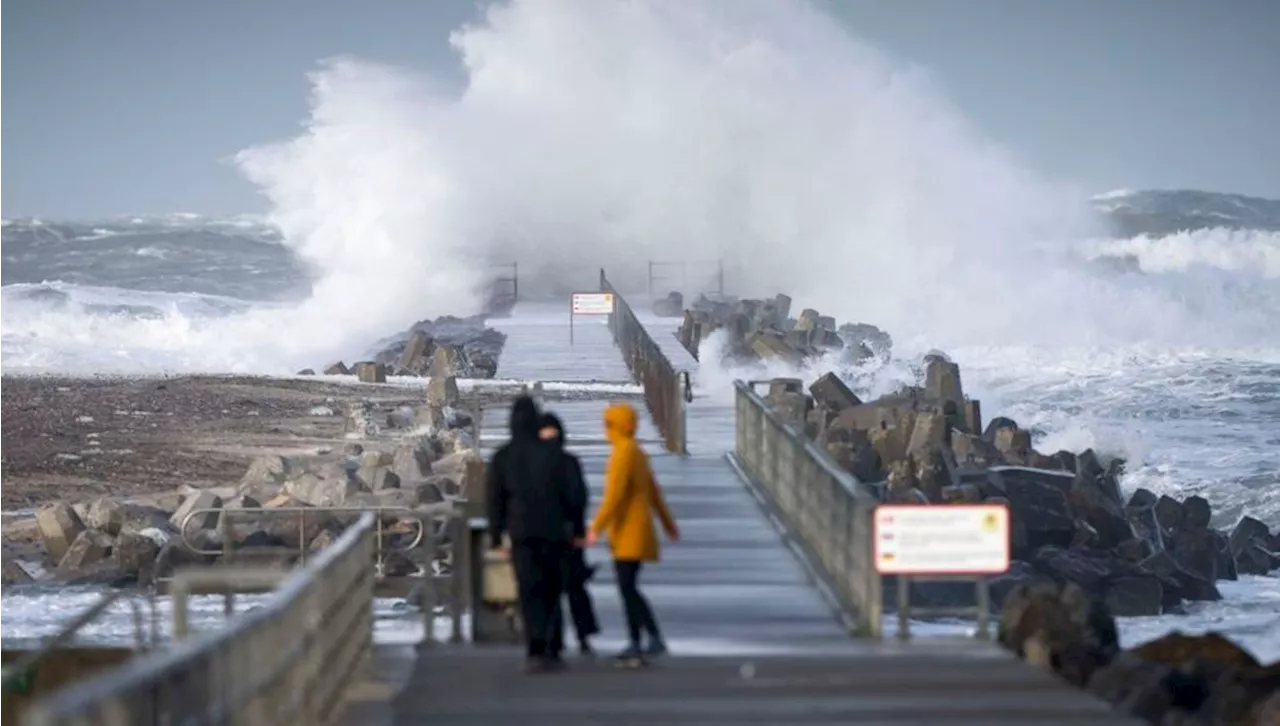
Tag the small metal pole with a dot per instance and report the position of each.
(984, 609)
(456, 596)
(429, 585)
(904, 607)
(178, 591)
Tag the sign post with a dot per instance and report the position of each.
(948, 542)
(589, 303)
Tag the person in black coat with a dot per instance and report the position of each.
(530, 502)
(579, 572)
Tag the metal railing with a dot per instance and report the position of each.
(658, 274)
(146, 632)
(320, 516)
(666, 390)
(289, 661)
(826, 508)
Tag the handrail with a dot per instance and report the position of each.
(23, 664)
(286, 662)
(663, 393)
(224, 524)
(827, 508)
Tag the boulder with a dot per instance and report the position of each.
(135, 554)
(416, 357)
(413, 459)
(193, 503)
(1038, 506)
(89, 548)
(371, 372)
(831, 393)
(328, 492)
(942, 380)
(442, 391)
(59, 527)
(337, 369)
(1059, 627)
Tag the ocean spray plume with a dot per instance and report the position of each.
(366, 197)
(762, 133)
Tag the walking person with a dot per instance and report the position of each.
(632, 498)
(578, 572)
(529, 502)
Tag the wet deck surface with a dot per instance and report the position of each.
(919, 685)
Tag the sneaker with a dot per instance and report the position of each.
(632, 657)
(655, 648)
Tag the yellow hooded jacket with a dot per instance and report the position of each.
(631, 495)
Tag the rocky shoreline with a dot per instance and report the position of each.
(1083, 553)
(446, 346)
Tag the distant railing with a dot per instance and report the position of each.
(666, 390)
(824, 507)
(289, 661)
(666, 273)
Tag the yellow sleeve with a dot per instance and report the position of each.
(656, 501)
(617, 486)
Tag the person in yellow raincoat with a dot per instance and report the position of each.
(631, 500)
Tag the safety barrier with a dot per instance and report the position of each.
(289, 661)
(146, 633)
(319, 516)
(826, 508)
(666, 390)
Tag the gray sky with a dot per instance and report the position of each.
(123, 106)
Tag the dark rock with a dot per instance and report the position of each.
(1169, 513)
(996, 424)
(1246, 531)
(1196, 513)
(1186, 585)
(1060, 627)
(831, 393)
(1038, 507)
(1197, 551)
(1226, 566)
(1130, 596)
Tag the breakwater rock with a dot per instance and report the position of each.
(1141, 554)
(413, 463)
(763, 329)
(446, 346)
(1177, 679)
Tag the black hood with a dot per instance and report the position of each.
(552, 420)
(524, 418)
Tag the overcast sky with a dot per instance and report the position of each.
(124, 106)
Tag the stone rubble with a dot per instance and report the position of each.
(1175, 679)
(1141, 555)
(764, 330)
(446, 346)
(420, 471)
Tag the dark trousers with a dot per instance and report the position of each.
(639, 614)
(540, 572)
(581, 608)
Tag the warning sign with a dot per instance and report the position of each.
(592, 303)
(915, 539)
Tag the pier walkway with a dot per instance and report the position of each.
(755, 632)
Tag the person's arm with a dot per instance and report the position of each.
(578, 495)
(496, 494)
(617, 488)
(659, 504)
